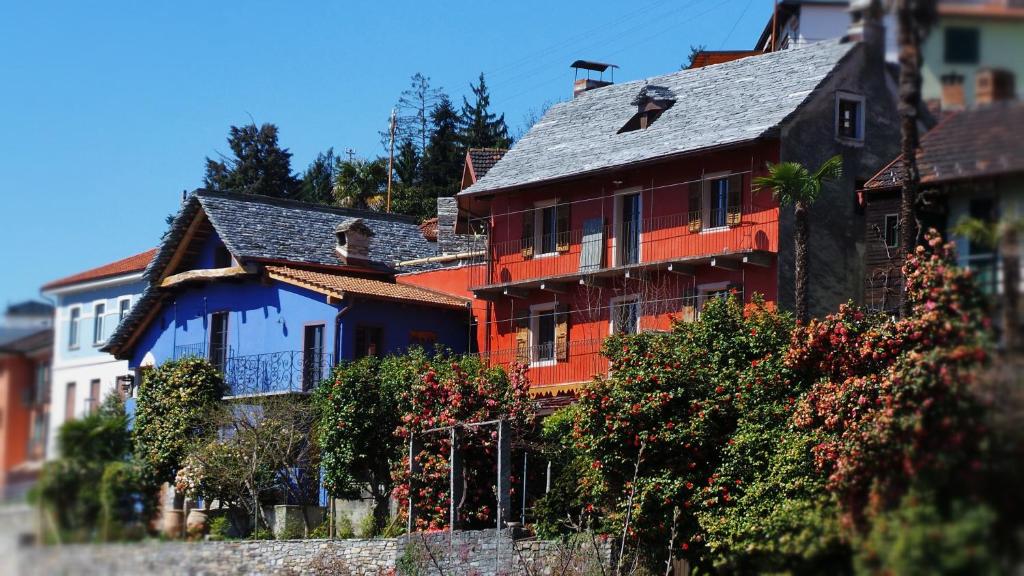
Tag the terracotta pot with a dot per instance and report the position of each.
(173, 521)
(197, 523)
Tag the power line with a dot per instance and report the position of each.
(734, 24)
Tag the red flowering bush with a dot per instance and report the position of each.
(451, 391)
(893, 400)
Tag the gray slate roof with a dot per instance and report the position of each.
(716, 105)
(261, 228)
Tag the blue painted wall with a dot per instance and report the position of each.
(269, 319)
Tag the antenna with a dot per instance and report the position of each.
(391, 161)
(351, 153)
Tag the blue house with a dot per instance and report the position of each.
(275, 292)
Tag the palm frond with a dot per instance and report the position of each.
(978, 231)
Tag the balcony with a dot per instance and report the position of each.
(288, 372)
(677, 242)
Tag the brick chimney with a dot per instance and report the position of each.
(953, 92)
(581, 85)
(353, 241)
(993, 85)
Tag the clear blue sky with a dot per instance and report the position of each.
(108, 108)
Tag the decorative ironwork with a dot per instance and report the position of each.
(197, 350)
(275, 372)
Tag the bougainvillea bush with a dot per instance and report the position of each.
(749, 445)
(454, 390)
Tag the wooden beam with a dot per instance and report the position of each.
(556, 287)
(515, 293)
(207, 274)
(725, 264)
(681, 269)
(758, 259)
(179, 252)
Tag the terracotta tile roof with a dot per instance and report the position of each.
(131, 264)
(429, 229)
(977, 143)
(483, 159)
(340, 285)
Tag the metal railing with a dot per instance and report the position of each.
(605, 246)
(269, 373)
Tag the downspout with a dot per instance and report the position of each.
(337, 331)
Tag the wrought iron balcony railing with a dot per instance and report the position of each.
(270, 373)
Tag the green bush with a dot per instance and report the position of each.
(343, 527)
(367, 526)
(220, 528)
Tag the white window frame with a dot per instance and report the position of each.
(885, 229)
(535, 311)
(617, 301)
(703, 291)
(705, 200)
(538, 227)
(617, 223)
(97, 321)
(861, 109)
(75, 327)
(127, 311)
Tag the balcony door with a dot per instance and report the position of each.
(628, 240)
(219, 339)
(313, 358)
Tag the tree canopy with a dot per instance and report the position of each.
(258, 165)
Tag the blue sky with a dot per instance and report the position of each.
(108, 109)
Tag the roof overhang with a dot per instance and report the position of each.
(89, 285)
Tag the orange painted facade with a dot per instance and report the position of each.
(24, 409)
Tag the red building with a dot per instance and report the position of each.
(631, 205)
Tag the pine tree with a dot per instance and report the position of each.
(481, 128)
(259, 165)
(414, 106)
(317, 184)
(443, 161)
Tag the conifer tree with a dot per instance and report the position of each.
(481, 128)
(443, 161)
(258, 166)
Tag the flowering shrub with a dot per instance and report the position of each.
(453, 390)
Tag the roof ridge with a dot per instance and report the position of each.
(353, 212)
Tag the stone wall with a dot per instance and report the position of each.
(472, 553)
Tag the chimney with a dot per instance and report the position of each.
(953, 92)
(581, 85)
(866, 26)
(353, 241)
(993, 85)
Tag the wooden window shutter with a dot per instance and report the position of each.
(694, 214)
(522, 340)
(562, 227)
(735, 209)
(561, 333)
(526, 244)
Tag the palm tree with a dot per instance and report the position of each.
(1003, 236)
(914, 19)
(360, 183)
(792, 184)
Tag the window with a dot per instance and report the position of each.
(628, 229)
(123, 306)
(219, 339)
(69, 402)
(722, 201)
(93, 401)
(892, 230)
(76, 316)
(708, 292)
(849, 116)
(548, 227)
(98, 312)
(543, 337)
(962, 46)
(42, 384)
(625, 318)
(369, 341)
(313, 358)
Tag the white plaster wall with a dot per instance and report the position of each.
(81, 374)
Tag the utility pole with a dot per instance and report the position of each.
(351, 153)
(391, 161)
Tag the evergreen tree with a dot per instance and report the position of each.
(317, 183)
(445, 155)
(481, 128)
(414, 106)
(258, 165)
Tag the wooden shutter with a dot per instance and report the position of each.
(562, 228)
(522, 340)
(526, 244)
(561, 333)
(695, 210)
(735, 210)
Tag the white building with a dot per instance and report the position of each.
(89, 306)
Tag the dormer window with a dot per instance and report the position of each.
(651, 103)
